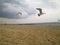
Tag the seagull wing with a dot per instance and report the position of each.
(19, 13)
(40, 10)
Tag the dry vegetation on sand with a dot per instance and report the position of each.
(29, 35)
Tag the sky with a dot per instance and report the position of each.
(10, 8)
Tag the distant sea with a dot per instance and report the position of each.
(49, 23)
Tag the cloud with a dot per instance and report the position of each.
(10, 8)
(52, 15)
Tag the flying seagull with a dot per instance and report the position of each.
(19, 13)
(40, 10)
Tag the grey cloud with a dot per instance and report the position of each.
(12, 14)
(49, 4)
(24, 6)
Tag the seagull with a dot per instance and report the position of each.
(19, 13)
(40, 10)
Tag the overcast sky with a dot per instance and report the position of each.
(10, 8)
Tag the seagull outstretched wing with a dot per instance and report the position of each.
(19, 13)
(40, 10)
